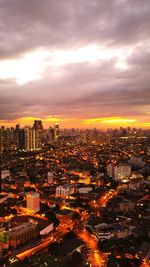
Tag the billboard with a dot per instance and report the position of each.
(47, 229)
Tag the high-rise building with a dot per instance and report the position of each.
(33, 202)
(17, 126)
(38, 125)
(38, 128)
(21, 139)
(4, 138)
(50, 134)
(38, 139)
(29, 138)
(56, 132)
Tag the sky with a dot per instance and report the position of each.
(80, 63)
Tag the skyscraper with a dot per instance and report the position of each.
(4, 138)
(38, 125)
(29, 138)
(21, 139)
(56, 132)
(38, 128)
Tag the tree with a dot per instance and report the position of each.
(13, 211)
(51, 216)
(54, 248)
(77, 258)
(69, 235)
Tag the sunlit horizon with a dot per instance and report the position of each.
(83, 123)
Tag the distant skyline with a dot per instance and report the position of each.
(80, 63)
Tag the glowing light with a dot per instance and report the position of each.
(121, 64)
(27, 119)
(31, 66)
(51, 119)
(78, 122)
(147, 124)
(118, 120)
(110, 120)
(91, 54)
(24, 69)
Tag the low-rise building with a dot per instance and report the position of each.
(19, 234)
(122, 171)
(84, 189)
(65, 190)
(104, 231)
(125, 205)
(136, 161)
(119, 171)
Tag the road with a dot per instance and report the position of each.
(96, 258)
(63, 229)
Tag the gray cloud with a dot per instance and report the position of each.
(98, 89)
(34, 23)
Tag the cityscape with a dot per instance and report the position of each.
(72, 197)
(74, 133)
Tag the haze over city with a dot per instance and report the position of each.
(79, 63)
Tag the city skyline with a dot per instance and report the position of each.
(81, 64)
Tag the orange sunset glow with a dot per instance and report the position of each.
(103, 123)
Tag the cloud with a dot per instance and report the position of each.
(95, 58)
(57, 24)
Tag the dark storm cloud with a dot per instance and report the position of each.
(82, 89)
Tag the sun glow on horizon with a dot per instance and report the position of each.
(109, 120)
(72, 122)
